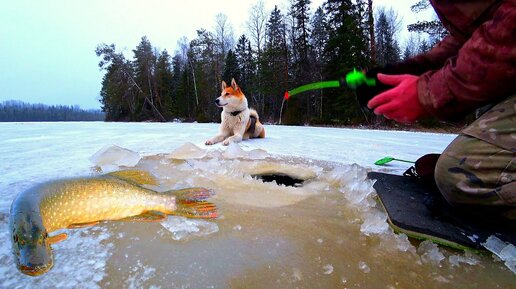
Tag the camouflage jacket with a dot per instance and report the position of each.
(475, 64)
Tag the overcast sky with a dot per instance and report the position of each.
(47, 47)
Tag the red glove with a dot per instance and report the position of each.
(400, 103)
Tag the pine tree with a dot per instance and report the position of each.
(231, 68)
(118, 93)
(318, 40)
(299, 109)
(144, 67)
(433, 28)
(202, 57)
(246, 66)
(274, 64)
(346, 49)
(165, 82)
(387, 49)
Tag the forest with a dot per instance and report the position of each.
(279, 51)
(14, 111)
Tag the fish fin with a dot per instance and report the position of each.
(57, 238)
(82, 225)
(191, 203)
(136, 176)
(148, 216)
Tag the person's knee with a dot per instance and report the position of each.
(446, 182)
(471, 172)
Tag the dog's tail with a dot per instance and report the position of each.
(255, 128)
(253, 113)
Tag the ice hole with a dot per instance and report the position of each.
(280, 179)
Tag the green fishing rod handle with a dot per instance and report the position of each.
(365, 86)
(357, 78)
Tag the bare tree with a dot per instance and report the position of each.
(224, 42)
(412, 45)
(183, 45)
(224, 33)
(257, 24)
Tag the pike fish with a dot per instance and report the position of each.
(81, 202)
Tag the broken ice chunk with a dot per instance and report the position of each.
(258, 154)
(468, 258)
(509, 252)
(505, 251)
(110, 157)
(234, 151)
(494, 245)
(403, 243)
(375, 223)
(430, 252)
(181, 227)
(187, 151)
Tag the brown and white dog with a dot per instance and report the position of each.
(238, 121)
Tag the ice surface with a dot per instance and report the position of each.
(430, 252)
(187, 151)
(111, 157)
(297, 274)
(181, 228)
(504, 250)
(139, 274)
(37, 152)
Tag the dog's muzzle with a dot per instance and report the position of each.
(218, 102)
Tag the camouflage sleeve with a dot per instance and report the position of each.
(431, 60)
(484, 70)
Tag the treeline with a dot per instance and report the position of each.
(280, 51)
(21, 111)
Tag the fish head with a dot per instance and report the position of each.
(32, 251)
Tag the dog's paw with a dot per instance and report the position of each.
(208, 142)
(226, 142)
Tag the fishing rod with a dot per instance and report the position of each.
(352, 80)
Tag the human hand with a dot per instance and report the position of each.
(400, 103)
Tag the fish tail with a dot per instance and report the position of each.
(192, 203)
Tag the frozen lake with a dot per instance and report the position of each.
(327, 234)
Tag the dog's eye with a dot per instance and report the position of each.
(227, 94)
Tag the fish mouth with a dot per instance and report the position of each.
(35, 270)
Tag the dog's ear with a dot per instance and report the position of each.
(234, 84)
(224, 85)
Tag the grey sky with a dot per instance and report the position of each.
(47, 47)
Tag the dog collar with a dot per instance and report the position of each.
(235, 113)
